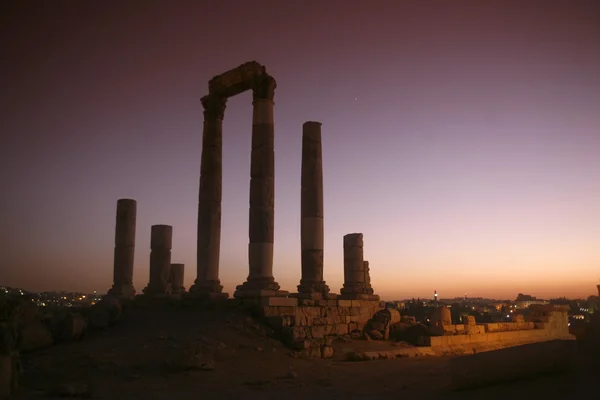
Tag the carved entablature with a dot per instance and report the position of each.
(237, 80)
(264, 87)
(214, 107)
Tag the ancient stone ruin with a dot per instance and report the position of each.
(124, 249)
(309, 319)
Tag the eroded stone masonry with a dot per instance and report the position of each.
(311, 318)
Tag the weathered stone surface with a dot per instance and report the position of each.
(262, 192)
(260, 258)
(124, 249)
(34, 336)
(105, 313)
(263, 87)
(236, 80)
(262, 112)
(214, 108)
(441, 320)
(312, 171)
(311, 233)
(126, 222)
(176, 277)
(261, 228)
(355, 276)
(279, 302)
(161, 237)
(67, 326)
(160, 260)
(327, 352)
(311, 223)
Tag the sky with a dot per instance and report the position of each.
(462, 138)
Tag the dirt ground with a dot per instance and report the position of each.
(174, 352)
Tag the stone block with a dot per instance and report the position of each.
(355, 311)
(327, 352)
(341, 329)
(336, 319)
(378, 326)
(279, 301)
(205, 296)
(317, 332)
(344, 303)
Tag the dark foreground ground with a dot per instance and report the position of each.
(172, 352)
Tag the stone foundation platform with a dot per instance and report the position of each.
(309, 326)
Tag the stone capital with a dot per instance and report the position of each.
(264, 87)
(214, 107)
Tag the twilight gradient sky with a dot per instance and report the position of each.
(462, 138)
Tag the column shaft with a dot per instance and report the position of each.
(357, 281)
(160, 260)
(262, 194)
(124, 249)
(176, 278)
(209, 198)
(311, 221)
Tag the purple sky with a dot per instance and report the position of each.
(462, 139)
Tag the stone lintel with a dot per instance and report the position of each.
(236, 80)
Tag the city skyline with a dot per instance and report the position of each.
(462, 140)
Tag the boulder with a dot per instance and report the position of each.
(34, 336)
(412, 334)
(105, 313)
(70, 327)
(327, 352)
(26, 312)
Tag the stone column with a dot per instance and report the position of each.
(209, 200)
(260, 280)
(311, 212)
(160, 260)
(176, 278)
(355, 286)
(124, 250)
(368, 288)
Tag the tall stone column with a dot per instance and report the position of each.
(124, 250)
(260, 280)
(160, 260)
(176, 278)
(311, 212)
(355, 270)
(209, 200)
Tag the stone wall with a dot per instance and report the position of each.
(508, 326)
(309, 326)
(547, 325)
(511, 338)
